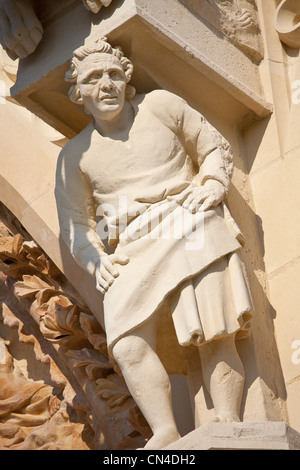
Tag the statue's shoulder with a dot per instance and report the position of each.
(77, 146)
(163, 100)
(164, 105)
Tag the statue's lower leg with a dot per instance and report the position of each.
(148, 383)
(224, 377)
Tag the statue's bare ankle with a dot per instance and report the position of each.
(162, 437)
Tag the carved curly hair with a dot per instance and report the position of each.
(100, 46)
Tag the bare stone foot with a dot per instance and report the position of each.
(162, 439)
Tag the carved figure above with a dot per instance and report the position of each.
(96, 5)
(287, 22)
(140, 196)
(21, 30)
(236, 19)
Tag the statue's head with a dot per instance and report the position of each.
(101, 76)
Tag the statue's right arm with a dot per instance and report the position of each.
(76, 212)
(77, 220)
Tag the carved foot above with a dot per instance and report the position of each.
(20, 29)
(95, 5)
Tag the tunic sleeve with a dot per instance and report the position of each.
(207, 147)
(76, 211)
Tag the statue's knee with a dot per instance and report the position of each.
(130, 350)
(120, 348)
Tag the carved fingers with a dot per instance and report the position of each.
(202, 198)
(20, 29)
(95, 5)
(107, 271)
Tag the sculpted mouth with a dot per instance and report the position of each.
(108, 97)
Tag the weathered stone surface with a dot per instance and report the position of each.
(240, 436)
(147, 30)
(75, 399)
(235, 62)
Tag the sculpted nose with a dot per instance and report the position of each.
(106, 83)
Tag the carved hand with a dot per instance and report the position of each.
(107, 272)
(95, 5)
(202, 198)
(20, 29)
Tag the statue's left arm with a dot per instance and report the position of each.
(212, 156)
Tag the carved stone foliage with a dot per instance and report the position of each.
(32, 417)
(85, 400)
(235, 19)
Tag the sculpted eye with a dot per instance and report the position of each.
(115, 74)
(93, 78)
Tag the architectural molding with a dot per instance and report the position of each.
(287, 22)
(152, 32)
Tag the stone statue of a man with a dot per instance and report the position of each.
(155, 172)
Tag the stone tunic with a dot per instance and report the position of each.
(130, 186)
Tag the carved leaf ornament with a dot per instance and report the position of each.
(236, 19)
(68, 324)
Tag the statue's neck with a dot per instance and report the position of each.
(118, 127)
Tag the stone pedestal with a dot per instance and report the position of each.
(240, 436)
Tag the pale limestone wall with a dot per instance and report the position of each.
(272, 148)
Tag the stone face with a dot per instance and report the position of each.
(236, 65)
(219, 74)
